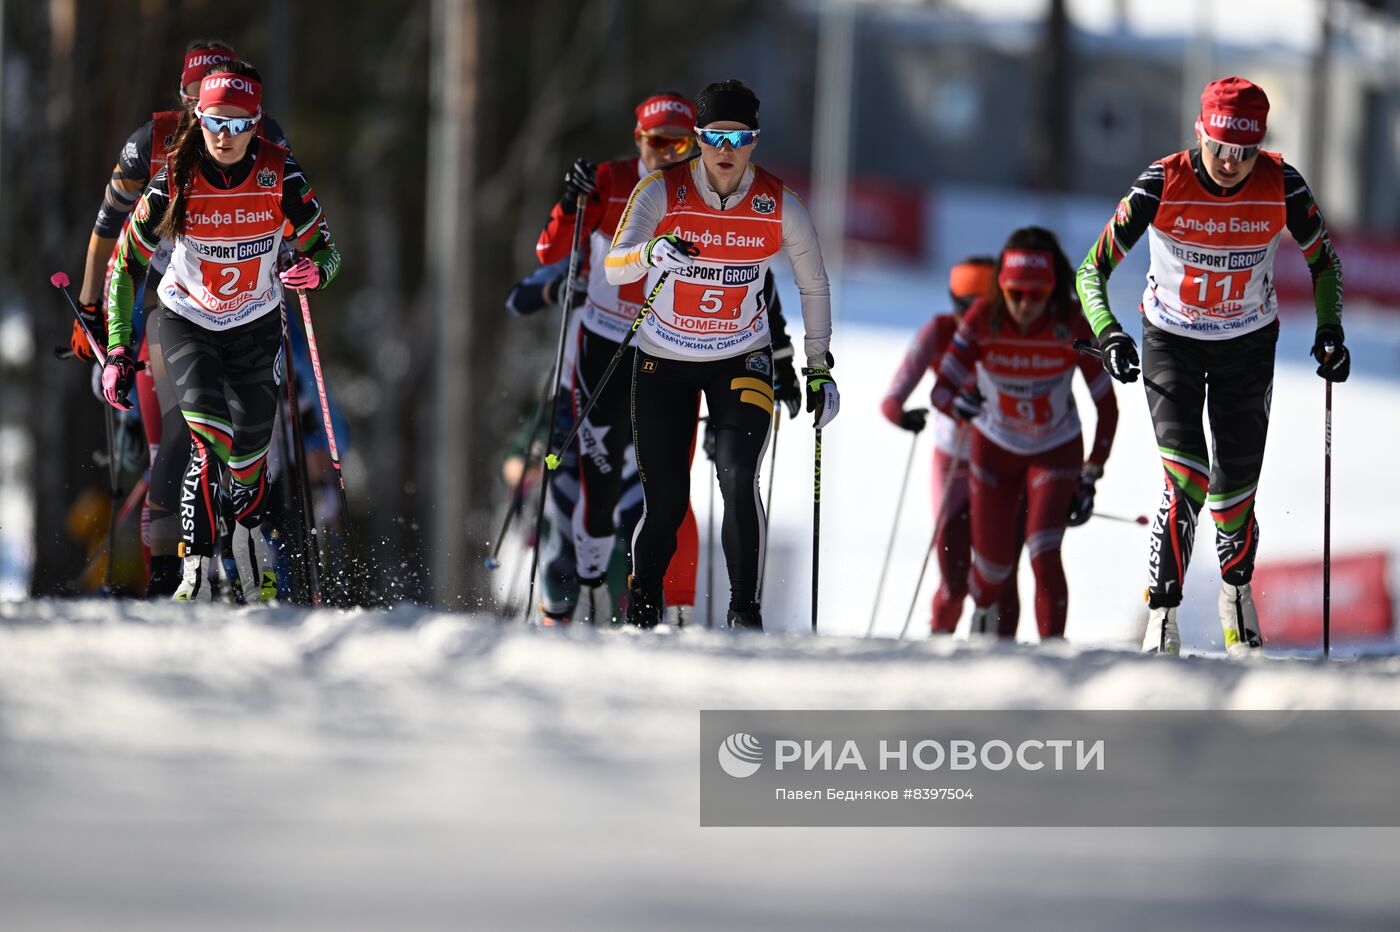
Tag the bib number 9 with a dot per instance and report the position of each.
(1034, 410)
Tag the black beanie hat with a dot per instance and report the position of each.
(727, 102)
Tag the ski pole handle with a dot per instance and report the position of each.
(60, 281)
(1088, 349)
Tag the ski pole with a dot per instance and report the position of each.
(816, 524)
(1327, 521)
(115, 436)
(708, 445)
(894, 530)
(939, 521)
(552, 459)
(60, 281)
(568, 306)
(330, 439)
(309, 543)
(772, 481)
(1140, 519)
(517, 493)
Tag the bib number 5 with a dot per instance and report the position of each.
(692, 300)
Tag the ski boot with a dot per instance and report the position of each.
(678, 615)
(745, 617)
(165, 577)
(644, 607)
(1162, 635)
(984, 624)
(234, 571)
(191, 573)
(260, 583)
(596, 600)
(1239, 620)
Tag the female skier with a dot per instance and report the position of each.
(973, 278)
(711, 226)
(140, 160)
(1214, 216)
(663, 135)
(1026, 445)
(223, 199)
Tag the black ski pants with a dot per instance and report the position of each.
(225, 385)
(1232, 382)
(739, 394)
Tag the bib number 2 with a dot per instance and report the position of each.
(228, 280)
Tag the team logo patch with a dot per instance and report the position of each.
(763, 204)
(1124, 213)
(680, 194)
(143, 210)
(648, 365)
(758, 362)
(267, 178)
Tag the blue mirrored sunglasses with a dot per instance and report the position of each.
(234, 126)
(738, 138)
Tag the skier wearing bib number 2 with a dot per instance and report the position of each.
(1027, 445)
(223, 198)
(1214, 216)
(712, 226)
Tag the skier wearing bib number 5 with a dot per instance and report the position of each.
(223, 198)
(1214, 216)
(1027, 447)
(711, 227)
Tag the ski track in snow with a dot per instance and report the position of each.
(412, 769)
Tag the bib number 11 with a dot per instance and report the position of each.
(1205, 288)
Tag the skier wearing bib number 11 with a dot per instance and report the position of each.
(710, 228)
(223, 199)
(1214, 216)
(1026, 446)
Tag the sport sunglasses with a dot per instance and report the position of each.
(737, 138)
(234, 126)
(676, 145)
(1223, 150)
(1027, 294)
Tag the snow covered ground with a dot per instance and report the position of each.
(285, 769)
(297, 770)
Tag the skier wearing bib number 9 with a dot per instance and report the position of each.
(711, 227)
(223, 199)
(1214, 216)
(1027, 446)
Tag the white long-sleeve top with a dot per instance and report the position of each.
(717, 311)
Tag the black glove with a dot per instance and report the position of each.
(1333, 358)
(786, 388)
(914, 420)
(823, 398)
(967, 404)
(1120, 355)
(581, 178)
(1081, 503)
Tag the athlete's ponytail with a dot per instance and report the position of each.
(188, 153)
(1063, 304)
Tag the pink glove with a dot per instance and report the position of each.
(305, 274)
(118, 377)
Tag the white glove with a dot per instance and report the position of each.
(670, 253)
